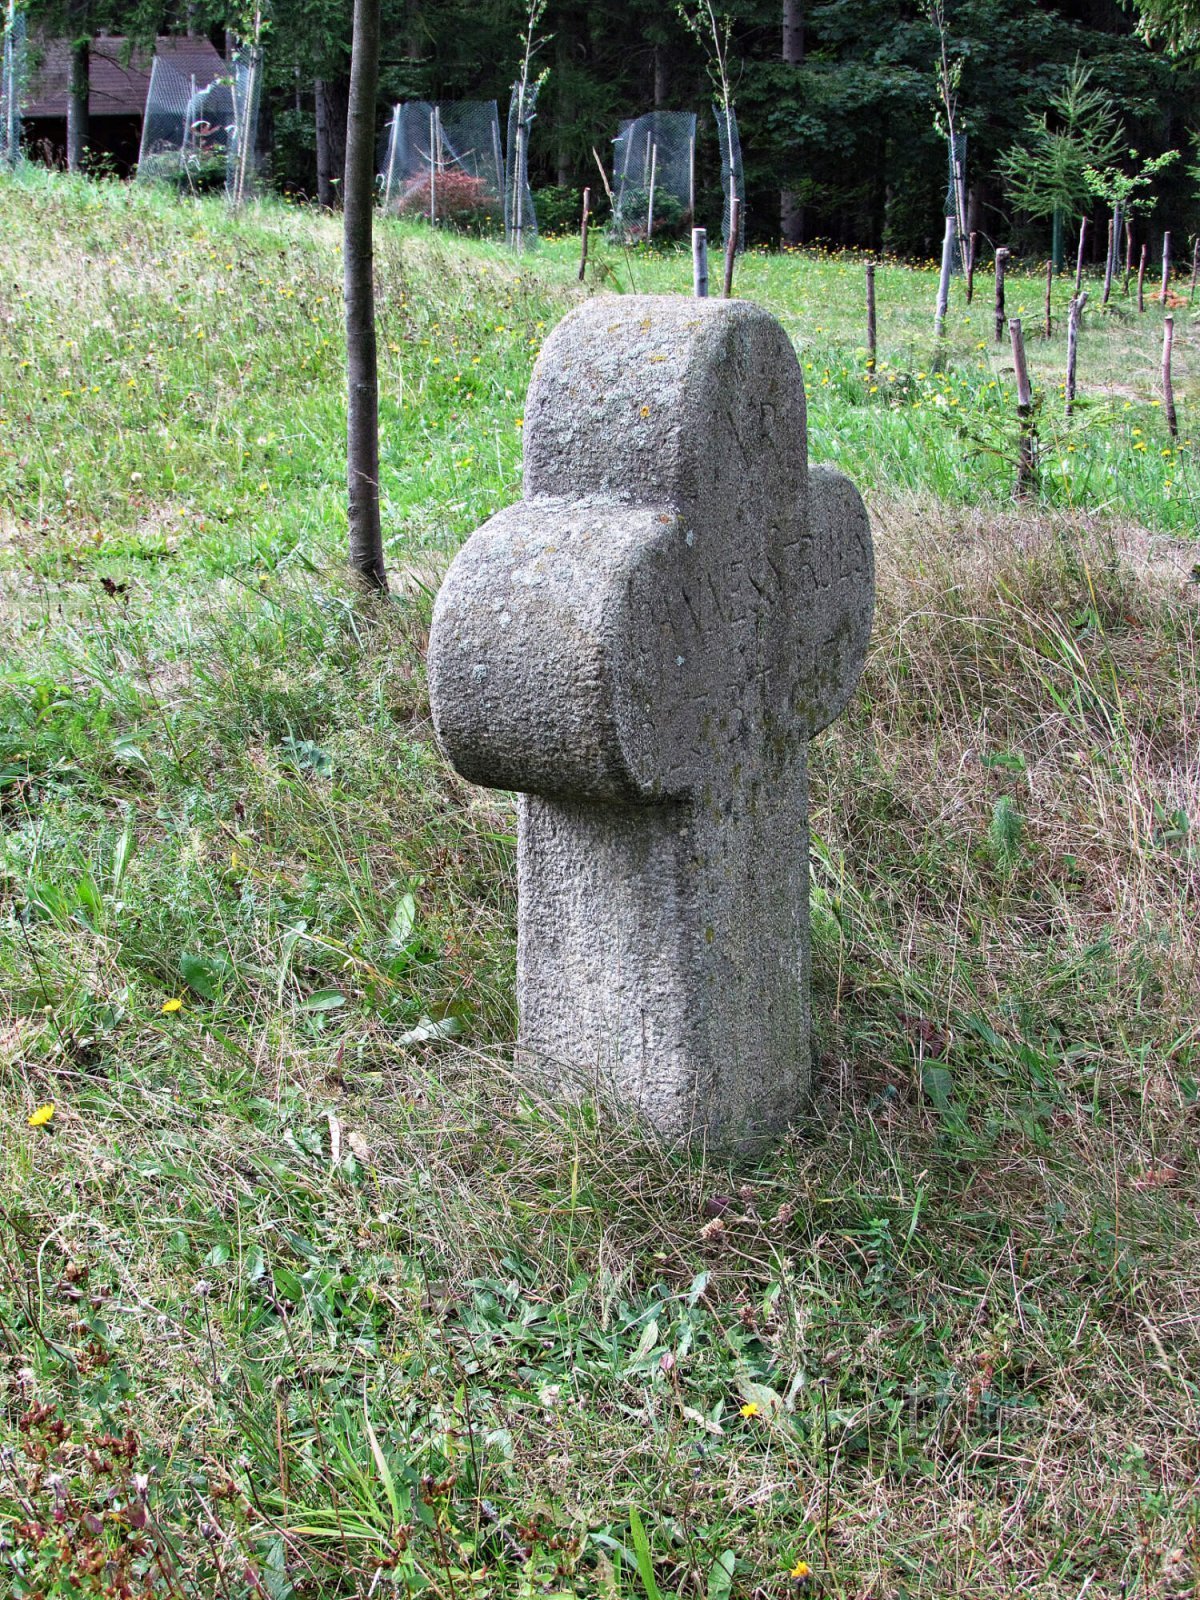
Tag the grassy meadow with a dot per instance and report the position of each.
(303, 1293)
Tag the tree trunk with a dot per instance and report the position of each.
(331, 103)
(791, 209)
(79, 89)
(362, 371)
(662, 77)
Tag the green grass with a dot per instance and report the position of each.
(305, 1293)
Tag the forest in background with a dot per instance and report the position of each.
(837, 100)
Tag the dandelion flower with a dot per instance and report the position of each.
(750, 1409)
(800, 1571)
(173, 1005)
(40, 1117)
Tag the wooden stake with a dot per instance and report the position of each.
(870, 316)
(1108, 260)
(1166, 276)
(1049, 326)
(700, 263)
(1074, 314)
(1195, 267)
(972, 251)
(1025, 443)
(735, 218)
(1001, 262)
(583, 233)
(1168, 391)
(1128, 255)
(650, 203)
(1083, 228)
(1142, 278)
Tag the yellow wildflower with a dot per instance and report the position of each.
(173, 1005)
(750, 1409)
(40, 1117)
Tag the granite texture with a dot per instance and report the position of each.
(643, 648)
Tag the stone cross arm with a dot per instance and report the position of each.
(642, 647)
(673, 574)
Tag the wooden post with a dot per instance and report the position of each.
(700, 263)
(1025, 440)
(1195, 267)
(1166, 276)
(735, 219)
(1083, 227)
(1074, 313)
(1168, 391)
(650, 200)
(1049, 326)
(943, 295)
(870, 316)
(1142, 278)
(1128, 255)
(972, 251)
(1108, 260)
(1001, 262)
(583, 233)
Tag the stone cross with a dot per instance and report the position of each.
(643, 647)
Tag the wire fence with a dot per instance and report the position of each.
(443, 162)
(654, 170)
(203, 136)
(186, 129)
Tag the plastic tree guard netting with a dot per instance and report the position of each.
(956, 196)
(12, 83)
(654, 173)
(186, 129)
(202, 135)
(520, 218)
(443, 162)
(732, 178)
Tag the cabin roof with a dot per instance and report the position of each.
(118, 87)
